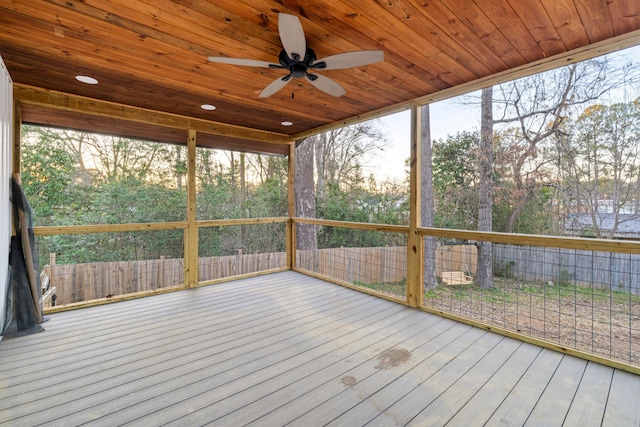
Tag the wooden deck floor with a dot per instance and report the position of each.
(289, 349)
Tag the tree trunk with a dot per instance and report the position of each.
(426, 202)
(178, 168)
(320, 168)
(484, 272)
(243, 200)
(304, 194)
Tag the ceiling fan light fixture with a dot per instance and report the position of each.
(208, 107)
(87, 79)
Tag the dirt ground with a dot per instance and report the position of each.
(597, 321)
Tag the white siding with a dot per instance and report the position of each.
(6, 144)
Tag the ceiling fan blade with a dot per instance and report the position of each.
(349, 60)
(292, 36)
(275, 86)
(326, 84)
(242, 61)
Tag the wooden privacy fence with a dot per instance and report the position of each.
(87, 281)
(609, 270)
(462, 258)
(82, 282)
(217, 267)
(382, 264)
(366, 265)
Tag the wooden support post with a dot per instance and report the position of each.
(191, 244)
(291, 200)
(415, 291)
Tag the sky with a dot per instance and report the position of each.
(447, 118)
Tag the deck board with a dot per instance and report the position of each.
(288, 348)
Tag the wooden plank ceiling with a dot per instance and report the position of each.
(152, 54)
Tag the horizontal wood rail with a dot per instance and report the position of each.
(107, 228)
(581, 243)
(177, 225)
(356, 225)
(241, 221)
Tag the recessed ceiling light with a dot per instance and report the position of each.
(86, 79)
(208, 107)
(286, 123)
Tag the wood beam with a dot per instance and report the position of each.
(415, 290)
(191, 253)
(68, 102)
(291, 203)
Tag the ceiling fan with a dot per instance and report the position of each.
(301, 60)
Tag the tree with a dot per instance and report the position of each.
(455, 181)
(47, 176)
(601, 163)
(427, 200)
(532, 112)
(341, 153)
(306, 236)
(484, 272)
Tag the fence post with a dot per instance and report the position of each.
(52, 264)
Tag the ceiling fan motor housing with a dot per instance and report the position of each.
(298, 68)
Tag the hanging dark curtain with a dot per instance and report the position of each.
(25, 281)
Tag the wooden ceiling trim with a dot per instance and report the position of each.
(145, 92)
(68, 102)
